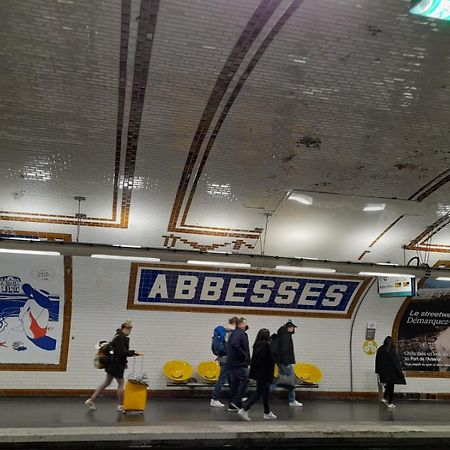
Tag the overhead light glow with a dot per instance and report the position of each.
(28, 252)
(306, 269)
(126, 258)
(437, 9)
(379, 274)
(126, 246)
(218, 263)
(374, 207)
(301, 198)
(443, 278)
(386, 264)
(307, 258)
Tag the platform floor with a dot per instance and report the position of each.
(192, 423)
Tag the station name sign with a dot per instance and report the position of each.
(253, 291)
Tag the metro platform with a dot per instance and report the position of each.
(66, 423)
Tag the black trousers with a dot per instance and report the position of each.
(262, 390)
(389, 392)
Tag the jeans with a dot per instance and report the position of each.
(239, 384)
(262, 390)
(286, 369)
(223, 378)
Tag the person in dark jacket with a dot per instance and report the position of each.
(116, 367)
(238, 362)
(387, 366)
(261, 370)
(283, 352)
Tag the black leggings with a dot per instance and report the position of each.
(389, 392)
(262, 390)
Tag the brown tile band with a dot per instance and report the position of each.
(431, 186)
(96, 221)
(419, 242)
(237, 244)
(248, 36)
(237, 89)
(66, 316)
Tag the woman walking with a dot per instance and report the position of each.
(261, 370)
(116, 367)
(387, 366)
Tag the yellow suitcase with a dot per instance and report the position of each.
(135, 397)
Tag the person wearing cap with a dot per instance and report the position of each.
(115, 369)
(224, 370)
(285, 357)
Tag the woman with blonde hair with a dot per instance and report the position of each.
(116, 366)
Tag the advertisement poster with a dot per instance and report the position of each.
(423, 335)
(246, 290)
(31, 309)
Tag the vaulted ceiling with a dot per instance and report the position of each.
(197, 124)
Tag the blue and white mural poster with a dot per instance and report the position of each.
(31, 309)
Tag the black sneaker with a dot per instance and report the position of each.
(233, 408)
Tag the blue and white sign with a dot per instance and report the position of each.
(158, 287)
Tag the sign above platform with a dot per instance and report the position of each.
(250, 291)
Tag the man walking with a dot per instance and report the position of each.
(238, 362)
(285, 357)
(224, 371)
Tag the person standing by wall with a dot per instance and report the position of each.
(238, 362)
(285, 357)
(261, 370)
(224, 371)
(387, 366)
(116, 367)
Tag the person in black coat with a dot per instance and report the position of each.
(261, 370)
(283, 351)
(238, 362)
(387, 366)
(116, 366)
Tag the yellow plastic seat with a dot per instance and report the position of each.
(178, 370)
(308, 373)
(209, 371)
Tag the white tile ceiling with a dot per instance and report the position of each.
(184, 122)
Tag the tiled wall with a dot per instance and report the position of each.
(100, 290)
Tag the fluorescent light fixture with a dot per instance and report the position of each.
(443, 278)
(301, 198)
(306, 269)
(218, 263)
(13, 238)
(379, 274)
(126, 258)
(374, 207)
(28, 252)
(307, 258)
(437, 9)
(386, 264)
(126, 246)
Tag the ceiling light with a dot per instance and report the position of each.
(14, 238)
(126, 258)
(437, 9)
(218, 263)
(29, 252)
(306, 269)
(127, 246)
(386, 264)
(301, 198)
(379, 274)
(305, 257)
(443, 278)
(374, 207)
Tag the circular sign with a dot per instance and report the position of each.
(370, 347)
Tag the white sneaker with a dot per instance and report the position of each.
(384, 401)
(244, 414)
(244, 399)
(216, 404)
(391, 405)
(119, 408)
(270, 416)
(90, 404)
(295, 403)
